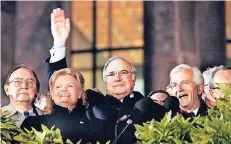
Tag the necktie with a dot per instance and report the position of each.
(192, 114)
(26, 114)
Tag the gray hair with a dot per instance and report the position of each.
(196, 73)
(221, 67)
(208, 74)
(133, 69)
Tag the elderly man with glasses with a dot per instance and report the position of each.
(22, 86)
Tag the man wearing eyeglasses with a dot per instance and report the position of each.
(221, 75)
(22, 86)
(120, 76)
(187, 85)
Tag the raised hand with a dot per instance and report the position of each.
(60, 27)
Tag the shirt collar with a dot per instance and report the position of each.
(196, 111)
(131, 96)
(31, 111)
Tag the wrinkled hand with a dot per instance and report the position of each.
(60, 27)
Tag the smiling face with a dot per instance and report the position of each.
(120, 81)
(21, 88)
(186, 89)
(66, 91)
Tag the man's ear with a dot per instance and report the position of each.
(6, 88)
(133, 76)
(200, 89)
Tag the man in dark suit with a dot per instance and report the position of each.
(187, 85)
(118, 73)
(22, 86)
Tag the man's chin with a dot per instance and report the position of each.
(120, 95)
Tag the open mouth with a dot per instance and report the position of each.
(23, 94)
(182, 95)
(64, 95)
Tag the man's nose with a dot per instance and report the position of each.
(24, 85)
(117, 76)
(179, 87)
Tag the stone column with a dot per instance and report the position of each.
(158, 44)
(210, 33)
(7, 44)
(181, 32)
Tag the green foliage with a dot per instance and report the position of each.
(8, 128)
(168, 130)
(215, 128)
(10, 133)
(46, 136)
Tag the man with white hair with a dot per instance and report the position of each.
(207, 75)
(187, 84)
(221, 75)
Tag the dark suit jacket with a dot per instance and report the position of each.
(125, 108)
(74, 125)
(202, 111)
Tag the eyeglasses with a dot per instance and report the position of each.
(216, 86)
(18, 82)
(122, 74)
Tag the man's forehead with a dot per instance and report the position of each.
(223, 76)
(118, 65)
(159, 95)
(183, 74)
(22, 73)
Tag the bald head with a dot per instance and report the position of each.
(222, 76)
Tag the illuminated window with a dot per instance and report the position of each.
(103, 29)
(228, 30)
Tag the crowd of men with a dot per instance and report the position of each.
(91, 116)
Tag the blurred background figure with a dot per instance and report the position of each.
(207, 75)
(159, 96)
(44, 103)
(221, 75)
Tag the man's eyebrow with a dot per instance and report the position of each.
(15, 78)
(124, 70)
(31, 79)
(22, 78)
